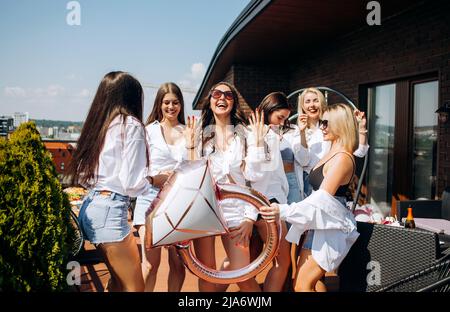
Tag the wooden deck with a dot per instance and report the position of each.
(95, 275)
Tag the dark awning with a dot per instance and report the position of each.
(280, 31)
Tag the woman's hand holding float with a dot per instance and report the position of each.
(270, 214)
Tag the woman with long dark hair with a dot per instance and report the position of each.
(234, 159)
(289, 151)
(165, 127)
(111, 161)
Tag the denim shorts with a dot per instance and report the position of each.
(307, 244)
(307, 188)
(104, 218)
(294, 195)
(142, 205)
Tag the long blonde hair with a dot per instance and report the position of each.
(342, 122)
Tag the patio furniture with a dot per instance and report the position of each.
(434, 278)
(436, 209)
(78, 240)
(385, 254)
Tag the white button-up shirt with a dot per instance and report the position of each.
(122, 164)
(163, 157)
(276, 184)
(230, 163)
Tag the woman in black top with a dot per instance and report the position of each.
(332, 174)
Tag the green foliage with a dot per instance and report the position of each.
(57, 123)
(34, 216)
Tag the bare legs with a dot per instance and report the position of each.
(309, 274)
(123, 262)
(239, 256)
(150, 264)
(276, 277)
(205, 252)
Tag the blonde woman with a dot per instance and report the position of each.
(311, 105)
(324, 210)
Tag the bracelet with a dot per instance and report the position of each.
(363, 131)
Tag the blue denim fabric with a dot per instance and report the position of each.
(142, 205)
(294, 195)
(307, 188)
(307, 244)
(104, 218)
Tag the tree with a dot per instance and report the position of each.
(35, 226)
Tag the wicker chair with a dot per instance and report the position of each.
(397, 252)
(437, 209)
(435, 278)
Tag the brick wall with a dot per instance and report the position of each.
(414, 42)
(254, 82)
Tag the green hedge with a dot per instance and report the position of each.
(34, 216)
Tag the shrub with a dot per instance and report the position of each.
(34, 216)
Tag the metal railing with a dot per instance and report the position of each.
(349, 102)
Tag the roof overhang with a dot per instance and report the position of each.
(278, 31)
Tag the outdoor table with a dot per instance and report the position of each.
(439, 226)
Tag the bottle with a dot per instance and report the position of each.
(409, 223)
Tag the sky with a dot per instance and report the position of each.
(51, 68)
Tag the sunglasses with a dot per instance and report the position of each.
(217, 94)
(323, 124)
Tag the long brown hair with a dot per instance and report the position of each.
(273, 102)
(165, 88)
(118, 94)
(237, 114)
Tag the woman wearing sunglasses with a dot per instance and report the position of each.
(311, 105)
(234, 158)
(287, 145)
(324, 210)
(165, 127)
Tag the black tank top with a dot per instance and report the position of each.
(316, 178)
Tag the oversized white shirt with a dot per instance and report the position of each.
(122, 164)
(230, 163)
(277, 185)
(163, 157)
(334, 227)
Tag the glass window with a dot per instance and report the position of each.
(425, 139)
(381, 109)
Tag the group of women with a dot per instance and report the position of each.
(303, 168)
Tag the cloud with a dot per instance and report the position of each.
(84, 93)
(53, 101)
(191, 81)
(55, 90)
(198, 71)
(15, 92)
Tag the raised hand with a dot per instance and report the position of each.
(302, 121)
(189, 132)
(361, 119)
(256, 125)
